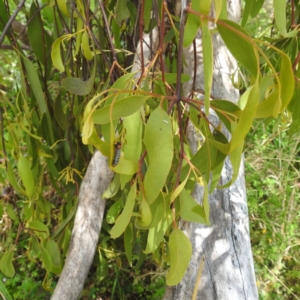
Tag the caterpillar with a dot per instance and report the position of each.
(116, 159)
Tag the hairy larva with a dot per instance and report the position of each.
(117, 154)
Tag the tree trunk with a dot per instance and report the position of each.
(86, 230)
(222, 265)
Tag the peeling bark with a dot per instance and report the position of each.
(86, 230)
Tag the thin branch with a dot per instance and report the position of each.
(14, 15)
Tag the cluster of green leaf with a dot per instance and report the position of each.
(272, 176)
(74, 95)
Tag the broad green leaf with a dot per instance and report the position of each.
(122, 12)
(121, 108)
(78, 86)
(6, 265)
(286, 80)
(156, 234)
(54, 253)
(46, 259)
(59, 114)
(133, 147)
(39, 229)
(280, 18)
(26, 175)
(128, 240)
(218, 4)
(239, 44)
(113, 188)
(12, 179)
(179, 188)
(158, 140)
(39, 38)
(35, 84)
(147, 13)
(126, 167)
(180, 254)
(190, 210)
(145, 212)
(113, 212)
(270, 107)
(85, 46)
(192, 25)
(207, 49)
(246, 118)
(157, 211)
(3, 16)
(56, 54)
(11, 213)
(124, 218)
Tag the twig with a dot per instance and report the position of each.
(14, 15)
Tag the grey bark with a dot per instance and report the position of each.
(86, 230)
(228, 270)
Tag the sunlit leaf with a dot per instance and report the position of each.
(180, 254)
(6, 265)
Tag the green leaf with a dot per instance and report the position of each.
(147, 13)
(85, 46)
(157, 208)
(59, 114)
(54, 253)
(208, 63)
(6, 265)
(286, 80)
(280, 18)
(192, 26)
(78, 86)
(190, 210)
(122, 12)
(124, 218)
(180, 254)
(11, 213)
(239, 44)
(158, 140)
(64, 223)
(26, 175)
(113, 212)
(46, 259)
(133, 127)
(156, 234)
(145, 211)
(3, 16)
(35, 84)
(56, 54)
(39, 39)
(121, 108)
(172, 77)
(12, 179)
(39, 229)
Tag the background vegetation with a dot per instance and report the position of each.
(272, 176)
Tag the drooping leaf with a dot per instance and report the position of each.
(207, 49)
(39, 229)
(124, 218)
(6, 265)
(46, 259)
(239, 44)
(121, 108)
(145, 212)
(26, 175)
(122, 12)
(180, 254)
(35, 84)
(78, 86)
(128, 240)
(113, 212)
(190, 210)
(159, 145)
